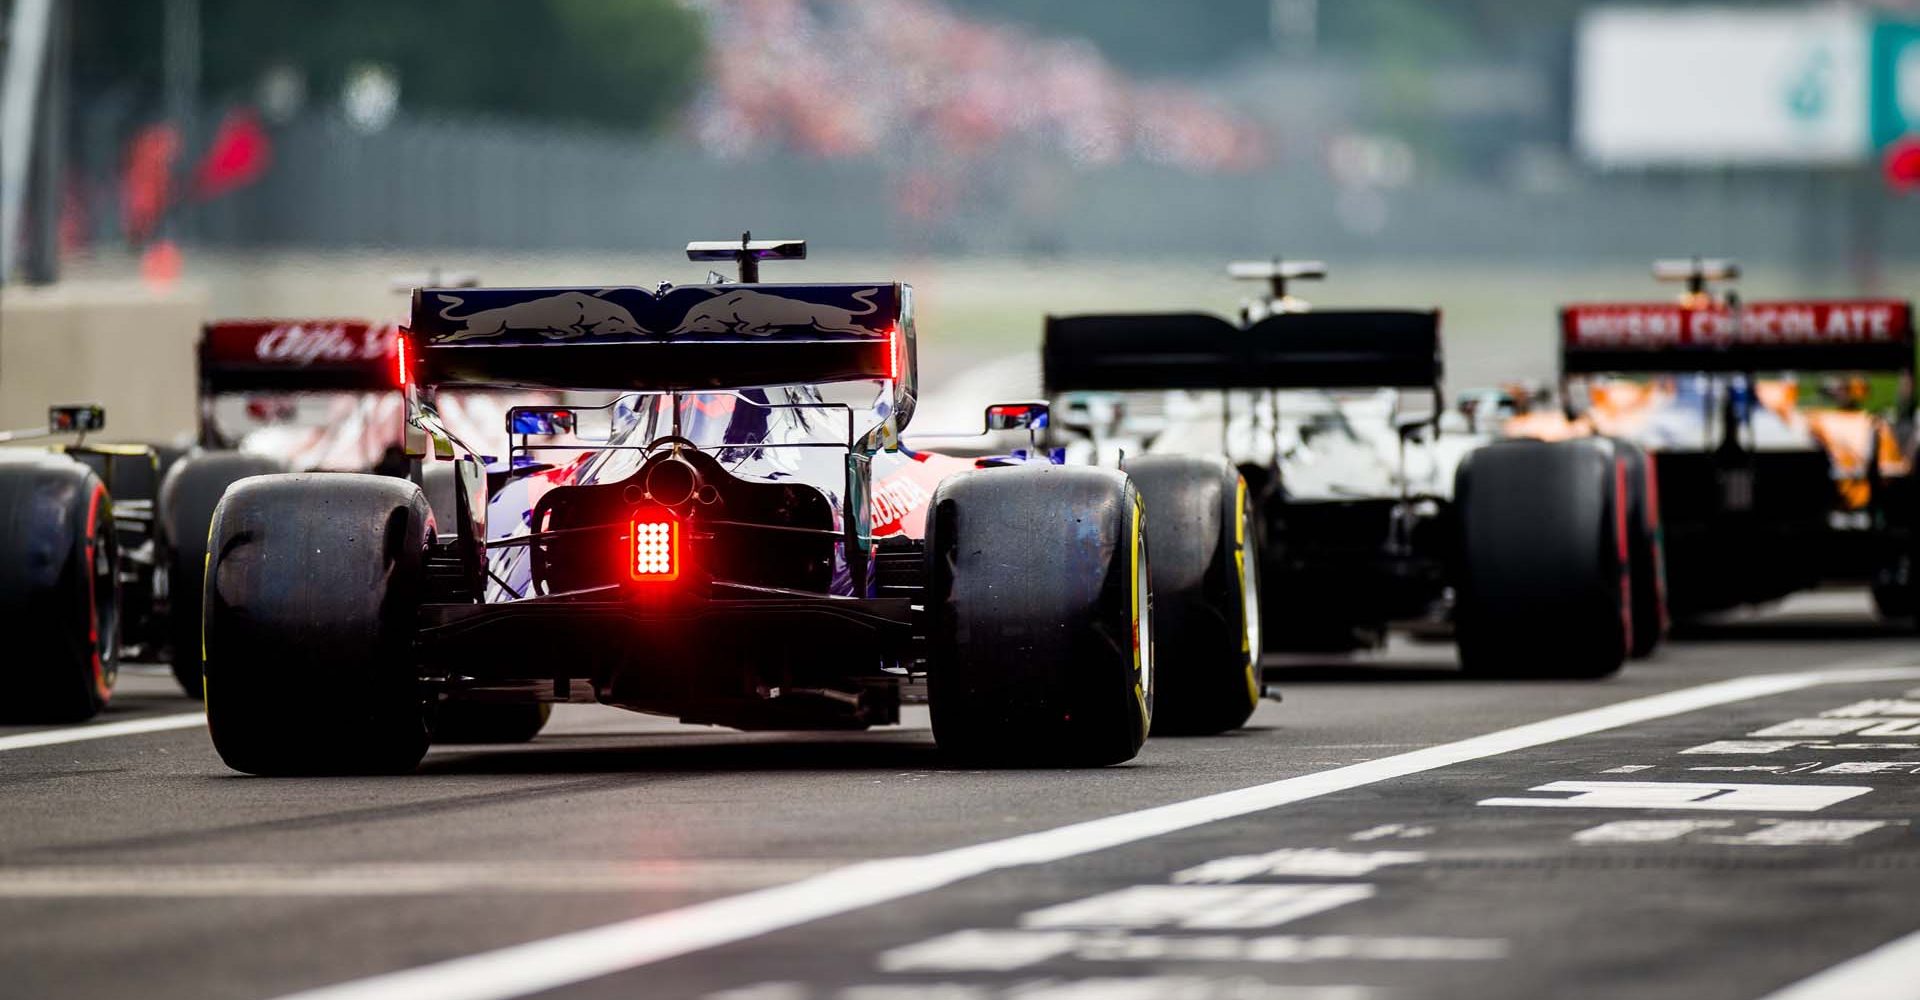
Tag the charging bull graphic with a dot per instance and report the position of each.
(759, 314)
(564, 316)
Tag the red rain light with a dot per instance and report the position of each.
(893, 352)
(400, 358)
(654, 542)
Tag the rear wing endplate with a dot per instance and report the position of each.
(1815, 335)
(1337, 349)
(297, 355)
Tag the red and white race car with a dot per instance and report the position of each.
(290, 395)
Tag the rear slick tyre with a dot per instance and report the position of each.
(1206, 592)
(59, 590)
(188, 494)
(1646, 548)
(311, 597)
(1543, 583)
(1041, 646)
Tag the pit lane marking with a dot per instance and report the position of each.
(578, 956)
(1010, 950)
(101, 731)
(1685, 795)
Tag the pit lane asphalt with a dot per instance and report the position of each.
(139, 866)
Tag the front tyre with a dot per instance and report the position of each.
(312, 589)
(1040, 595)
(1206, 592)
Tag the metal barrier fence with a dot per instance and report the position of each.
(463, 185)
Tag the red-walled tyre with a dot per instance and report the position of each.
(59, 590)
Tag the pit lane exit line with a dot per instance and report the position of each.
(101, 731)
(578, 956)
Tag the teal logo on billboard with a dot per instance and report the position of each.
(1807, 95)
(1893, 82)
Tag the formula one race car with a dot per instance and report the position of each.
(703, 546)
(73, 564)
(288, 395)
(1780, 433)
(1365, 514)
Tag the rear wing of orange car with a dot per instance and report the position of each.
(1334, 349)
(1814, 335)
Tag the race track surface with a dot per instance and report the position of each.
(1728, 820)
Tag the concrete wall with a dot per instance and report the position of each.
(121, 344)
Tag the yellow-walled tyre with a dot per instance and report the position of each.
(312, 590)
(188, 494)
(1040, 599)
(1206, 592)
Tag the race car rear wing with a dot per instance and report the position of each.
(1832, 335)
(686, 338)
(1336, 349)
(296, 355)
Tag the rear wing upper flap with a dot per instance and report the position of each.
(1810, 335)
(686, 337)
(296, 354)
(1330, 349)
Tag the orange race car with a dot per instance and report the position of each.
(1780, 434)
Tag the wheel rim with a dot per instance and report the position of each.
(103, 593)
(1249, 567)
(1142, 620)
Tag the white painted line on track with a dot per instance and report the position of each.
(538, 966)
(1889, 972)
(101, 731)
(399, 878)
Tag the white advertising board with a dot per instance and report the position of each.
(1721, 86)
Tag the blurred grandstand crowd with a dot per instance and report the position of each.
(858, 78)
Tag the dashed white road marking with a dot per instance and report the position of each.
(1009, 950)
(1647, 831)
(1889, 972)
(578, 956)
(1686, 795)
(102, 730)
(1199, 907)
(1842, 727)
(1802, 833)
(1397, 831)
(1297, 862)
(1628, 769)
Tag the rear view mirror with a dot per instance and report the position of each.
(541, 420)
(80, 419)
(580, 424)
(1017, 416)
